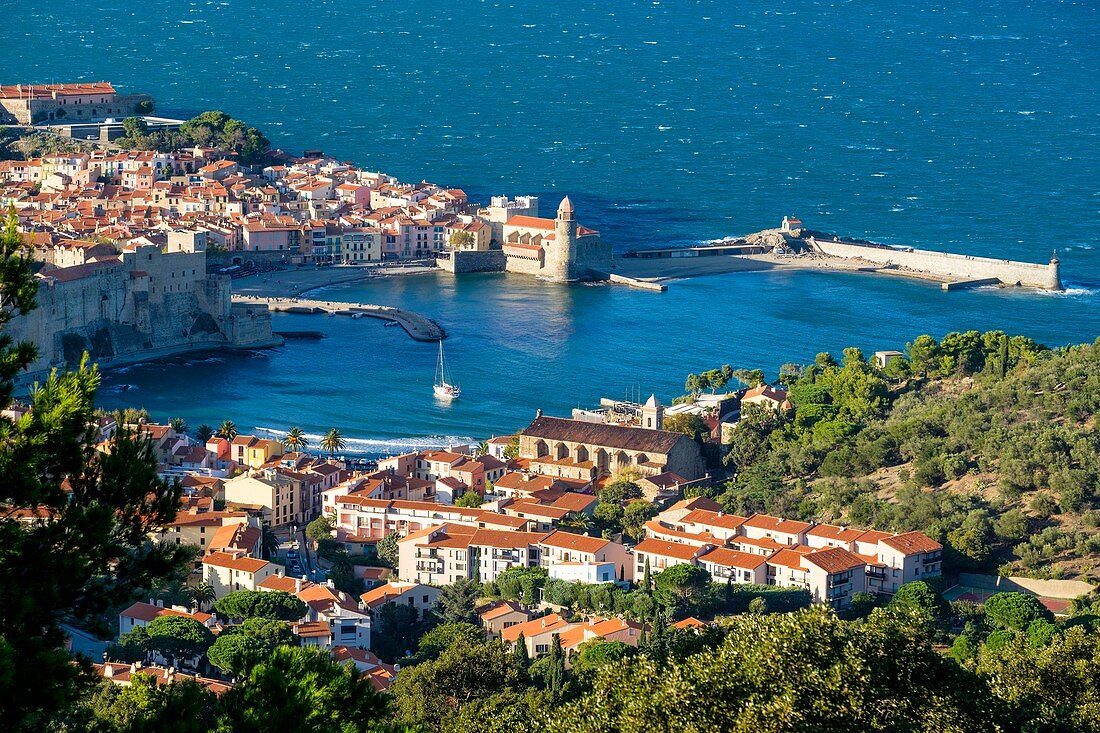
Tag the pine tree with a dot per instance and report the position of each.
(647, 585)
(92, 552)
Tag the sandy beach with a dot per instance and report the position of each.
(682, 267)
(294, 283)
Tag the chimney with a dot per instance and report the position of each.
(170, 675)
(297, 585)
(538, 413)
(133, 667)
(108, 671)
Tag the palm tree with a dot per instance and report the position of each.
(577, 522)
(295, 440)
(228, 430)
(204, 433)
(333, 441)
(202, 594)
(482, 448)
(178, 424)
(269, 541)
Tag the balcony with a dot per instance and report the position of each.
(430, 567)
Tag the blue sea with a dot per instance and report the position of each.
(968, 126)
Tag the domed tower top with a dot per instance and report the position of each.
(565, 209)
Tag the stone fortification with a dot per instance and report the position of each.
(148, 302)
(30, 104)
(947, 266)
(461, 261)
(556, 249)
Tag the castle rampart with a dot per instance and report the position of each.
(948, 266)
(149, 302)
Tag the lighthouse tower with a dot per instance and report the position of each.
(1054, 274)
(562, 257)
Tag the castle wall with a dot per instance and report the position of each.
(950, 266)
(152, 304)
(38, 110)
(461, 261)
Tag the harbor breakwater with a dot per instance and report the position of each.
(947, 266)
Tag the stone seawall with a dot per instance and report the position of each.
(948, 266)
(462, 261)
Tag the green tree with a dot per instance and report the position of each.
(133, 646)
(269, 541)
(555, 669)
(681, 588)
(90, 551)
(178, 636)
(806, 670)
(863, 603)
(342, 574)
(635, 515)
(320, 529)
(235, 654)
(1053, 687)
(431, 693)
(1014, 610)
(244, 604)
(922, 599)
(457, 602)
(204, 433)
(470, 499)
(178, 424)
(227, 430)
(758, 605)
(182, 707)
(594, 654)
(270, 631)
(295, 440)
(443, 637)
(387, 549)
(688, 423)
(520, 654)
(461, 240)
(333, 442)
(302, 689)
(202, 593)
(618, 492)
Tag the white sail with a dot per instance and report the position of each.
(444, 389)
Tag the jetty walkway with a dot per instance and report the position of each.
(420, 328)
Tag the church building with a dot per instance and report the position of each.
(556, 249)
(585, 450)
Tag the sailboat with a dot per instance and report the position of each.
(444, 390)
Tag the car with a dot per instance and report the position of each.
(291, 554)
(295, 567)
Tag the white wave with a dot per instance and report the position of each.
(380, 445)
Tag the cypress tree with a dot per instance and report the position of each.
(523, 660)
(555, 672)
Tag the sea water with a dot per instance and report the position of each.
(954, 126)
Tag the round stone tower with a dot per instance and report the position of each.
(562, 257)
(1054, 274)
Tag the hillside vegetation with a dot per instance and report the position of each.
(986, 442)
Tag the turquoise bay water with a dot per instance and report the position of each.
(952, 126)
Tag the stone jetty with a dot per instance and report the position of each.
(419, 328)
